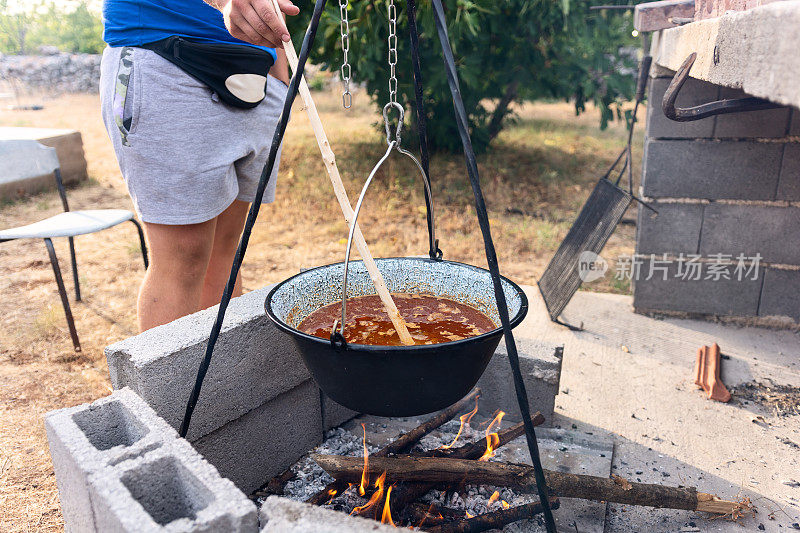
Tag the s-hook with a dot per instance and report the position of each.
(720, 107)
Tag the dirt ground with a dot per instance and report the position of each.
(536, 177)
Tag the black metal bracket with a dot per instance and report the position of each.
(720, 107)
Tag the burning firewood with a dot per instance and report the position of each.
(401, 444)
(409, 492)
(440, 471)
(493, 520)
(425, 515)
(477, 449)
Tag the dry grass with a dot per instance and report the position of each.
(540, 172)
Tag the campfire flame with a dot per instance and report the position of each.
(386, 517)
(465, 419)
(470, 515)
(362, 489)
(504, 504)
(492, 438)
(493, 498)
(376, 496)
(332, 493)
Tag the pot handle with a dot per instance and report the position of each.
(337, 337)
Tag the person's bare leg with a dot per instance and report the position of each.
(173, 284)
(226, 238)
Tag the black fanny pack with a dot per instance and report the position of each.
(236, 72)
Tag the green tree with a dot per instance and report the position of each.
(71, 28)
(15, 25)
(76, 29)
(506, 52)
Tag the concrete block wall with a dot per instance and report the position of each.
(540, 364)
(726, 185)
(120, 467)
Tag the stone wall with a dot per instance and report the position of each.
(727, 189)
(57, 73)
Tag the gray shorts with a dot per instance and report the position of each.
(185, 155)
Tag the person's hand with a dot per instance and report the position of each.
(256, 22)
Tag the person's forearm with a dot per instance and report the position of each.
(280, 69)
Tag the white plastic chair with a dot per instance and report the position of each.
(41, 160)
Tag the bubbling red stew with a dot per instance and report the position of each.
(431, 320)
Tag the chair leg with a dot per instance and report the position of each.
(62, 291)
(74, 269)
(141, 242)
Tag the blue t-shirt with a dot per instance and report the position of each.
(137, 22)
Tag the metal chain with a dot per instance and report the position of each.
(392, 52)
(347, 98)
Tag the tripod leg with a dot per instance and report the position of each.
(491, 259)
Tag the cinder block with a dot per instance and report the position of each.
(253, 362)
(789, 183)
(282, 515)
(266, 441)
(693, 93)
(771, 231)
(675, 229)
(741, 170)
(334, 414)
(540, 364)
(781, 294)
(88, 438)
(770, 123)
(171, 488)
(722, 297)
(794, 127)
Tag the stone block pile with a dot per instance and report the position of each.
(57, 73)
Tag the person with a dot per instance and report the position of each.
(191, 112)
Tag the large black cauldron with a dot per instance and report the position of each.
(394, 380)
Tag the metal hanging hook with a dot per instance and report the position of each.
(720, 107)
(337, 337)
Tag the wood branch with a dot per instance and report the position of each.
(276, 484)
(447, 472)
(419, 514)
(708, 503)
(476, 449)
(406, 493)
(407, 440)
(493, 520)
(403, 443)
(341, 195)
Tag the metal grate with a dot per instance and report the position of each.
(590, 232)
